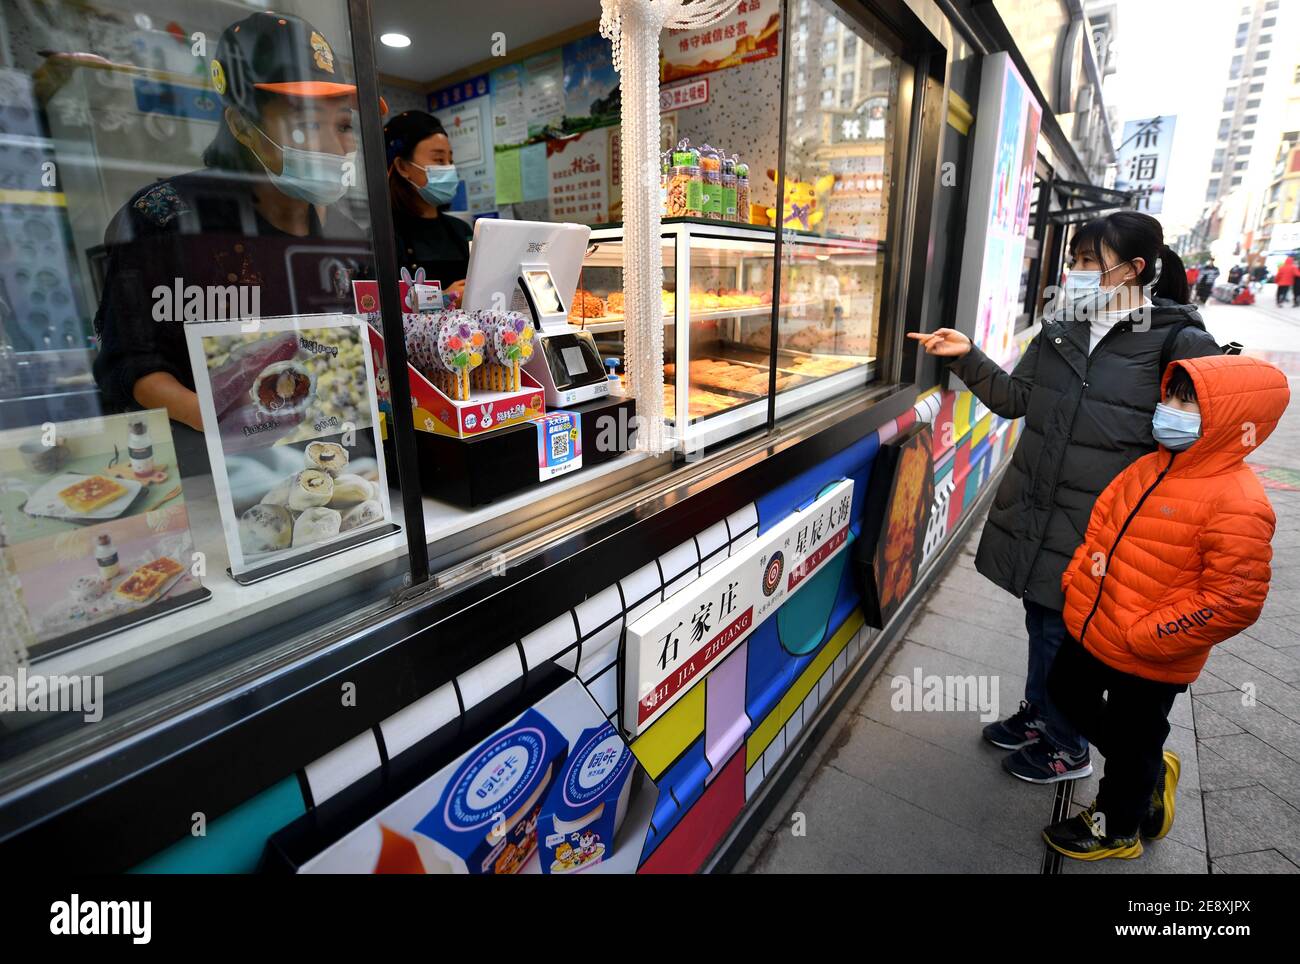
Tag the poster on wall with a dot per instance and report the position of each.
(997, 219)
(94, 530)
(465, 110)
(509, 121)
(750, 33)
(676, 645)
(592, 95)
(895, 518)
(555, 790)
(544, 91)
(293, 438)
(1143, 161)
(579, 174)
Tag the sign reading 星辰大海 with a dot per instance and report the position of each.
(676, 644)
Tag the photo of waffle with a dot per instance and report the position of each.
(92, 471)
(283, 387)
(72, 582)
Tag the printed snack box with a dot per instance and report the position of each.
(586, 805)
(486, 819)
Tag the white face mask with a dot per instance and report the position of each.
(316, 177)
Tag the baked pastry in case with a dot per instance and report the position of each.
(91, 493)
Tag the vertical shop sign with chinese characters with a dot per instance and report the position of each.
(1144, 161)
(676, 644)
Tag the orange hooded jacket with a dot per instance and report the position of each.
(1176, 557)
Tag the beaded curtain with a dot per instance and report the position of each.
(632, 27)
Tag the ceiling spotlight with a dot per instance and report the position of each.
(395, 40)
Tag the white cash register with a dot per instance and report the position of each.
(532, 267)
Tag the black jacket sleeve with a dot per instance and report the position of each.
(132, 343)
(1005, 393)
(1193, 342)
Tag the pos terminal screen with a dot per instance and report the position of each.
(545, 295)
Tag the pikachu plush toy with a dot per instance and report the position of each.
(803, 202)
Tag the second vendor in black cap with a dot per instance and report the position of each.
(421, 183)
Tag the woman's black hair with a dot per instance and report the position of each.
(1180, 385)
(1172, 283)
(1130, 234)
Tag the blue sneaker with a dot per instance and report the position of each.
(1040, 762)
(1022, 728)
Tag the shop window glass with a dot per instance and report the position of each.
(192, 469)
(837, 168)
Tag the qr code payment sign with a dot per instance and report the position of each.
(559, 446)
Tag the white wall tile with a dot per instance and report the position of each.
(599, 609)
(712, 542)
(489, 676)
(552, 639)
(342, 766)
(642, 583)
(740, 520)
(411, 724)
(753, 779)
(604, 690)
(676, 561)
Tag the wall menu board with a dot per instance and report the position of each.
(465, 110)
(293, 437)
(94, 531)
(997, 219)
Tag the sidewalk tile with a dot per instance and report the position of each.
(1251, 819)
(1259, 862)
(1260, 763)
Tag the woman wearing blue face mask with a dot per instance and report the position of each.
(274, 176)
(422, 181)
(1087, 386)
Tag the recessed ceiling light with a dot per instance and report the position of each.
(395, 40)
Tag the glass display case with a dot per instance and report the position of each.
(717, 301)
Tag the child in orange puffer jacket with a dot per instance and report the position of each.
(1175, 560)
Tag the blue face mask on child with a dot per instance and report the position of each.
(1175, 429)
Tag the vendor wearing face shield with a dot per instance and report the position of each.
(261, 220)
(422, 180)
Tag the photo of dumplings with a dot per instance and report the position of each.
(290, 496)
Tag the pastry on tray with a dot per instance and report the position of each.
(91, 493)
(586, 306)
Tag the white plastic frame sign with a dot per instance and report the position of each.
(676, 644)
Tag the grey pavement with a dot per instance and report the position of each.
(893, 790)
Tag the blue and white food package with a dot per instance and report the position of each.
(586, 805)
(486, 820)
(414, 835)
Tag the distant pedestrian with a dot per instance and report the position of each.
(1286, 277)
(1175, 560)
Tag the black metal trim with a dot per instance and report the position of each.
(384, 239)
